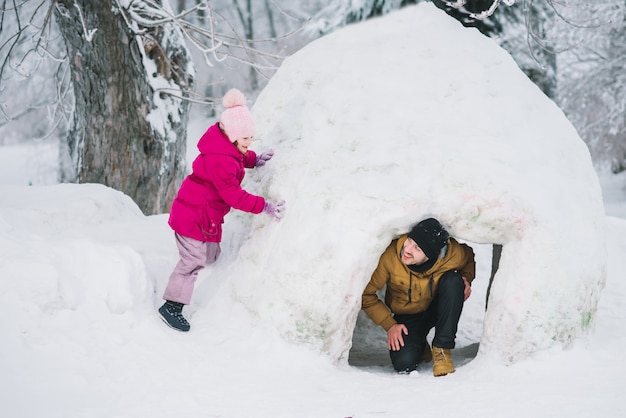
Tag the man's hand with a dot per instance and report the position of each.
(468, 290)
(394, 337)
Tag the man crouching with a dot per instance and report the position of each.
(428, 276)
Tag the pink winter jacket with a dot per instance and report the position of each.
(213, 187)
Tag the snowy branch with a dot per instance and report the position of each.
(190, 96)
(88, 33)
(579, 22)
(23, 58)
(460, 6)
(143, 14)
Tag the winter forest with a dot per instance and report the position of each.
(502, 118)
(189, 52)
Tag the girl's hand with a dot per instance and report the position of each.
(274, 209)
(263, 158)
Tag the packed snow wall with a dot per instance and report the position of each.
(384, 123)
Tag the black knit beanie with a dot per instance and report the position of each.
(431, 237)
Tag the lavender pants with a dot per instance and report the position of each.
(194, 256)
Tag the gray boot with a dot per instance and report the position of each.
(172, 315)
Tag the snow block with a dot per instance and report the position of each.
(369, 141)
(56, 269)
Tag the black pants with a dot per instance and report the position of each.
(443, 314)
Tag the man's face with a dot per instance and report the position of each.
(412, 253)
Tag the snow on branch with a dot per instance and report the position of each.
(141, 15)
(88, 33)
(147, 13)
(460, 6)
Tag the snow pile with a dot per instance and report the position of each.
(81, 275)
(382, 124)
(54, 241)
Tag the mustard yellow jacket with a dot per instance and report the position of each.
(399, 279)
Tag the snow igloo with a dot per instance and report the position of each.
(411, 115)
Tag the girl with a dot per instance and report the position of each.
(206, 196)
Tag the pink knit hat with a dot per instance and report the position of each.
(236, 119)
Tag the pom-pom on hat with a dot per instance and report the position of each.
(431, 237)
(236, 119)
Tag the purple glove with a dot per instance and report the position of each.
(274, 209)
(263, 158)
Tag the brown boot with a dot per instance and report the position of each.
(427, 354)
(443, 361)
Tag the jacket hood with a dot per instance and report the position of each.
(431, 264)
(215, 142)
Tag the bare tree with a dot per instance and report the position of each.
(244, 12)
(593, 93)
(33, 79)
(132, 82)
(125, 133)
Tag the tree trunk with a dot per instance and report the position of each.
(124, 134)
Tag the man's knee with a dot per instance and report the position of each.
(404, 360)
(450, 290)
(409, 356)
(451, 280)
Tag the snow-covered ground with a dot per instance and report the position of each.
(81, 276)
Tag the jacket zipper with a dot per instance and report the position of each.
(430, 285)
